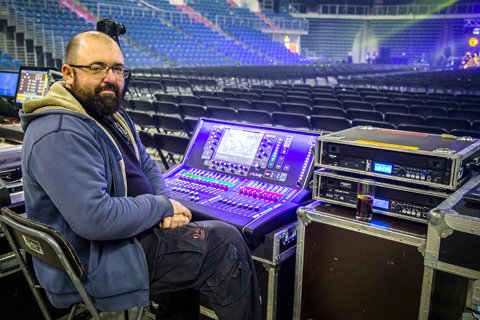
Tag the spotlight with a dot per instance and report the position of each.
(473, 42)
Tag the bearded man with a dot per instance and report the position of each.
(87, 174)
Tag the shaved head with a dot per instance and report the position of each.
(76, 44)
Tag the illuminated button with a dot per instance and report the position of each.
(422, 177)
(408, 175)
(192, 198)
(197, 199)
(417, 176)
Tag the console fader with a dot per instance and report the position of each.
(251, 177)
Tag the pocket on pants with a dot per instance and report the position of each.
(231, 276)
(180, 254)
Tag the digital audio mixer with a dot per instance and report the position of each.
(251, 177)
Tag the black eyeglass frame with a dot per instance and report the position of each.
(125, 74)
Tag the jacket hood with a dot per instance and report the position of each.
(57, 100)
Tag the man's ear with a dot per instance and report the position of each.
(68, 74)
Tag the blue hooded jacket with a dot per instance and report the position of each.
(74, 181)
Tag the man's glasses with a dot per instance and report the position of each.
(101, 70)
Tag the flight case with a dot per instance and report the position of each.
(437, 161)
(346, 269)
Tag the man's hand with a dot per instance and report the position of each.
(181, 217)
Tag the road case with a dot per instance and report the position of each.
(394, 199)
(347, 269)
(437, 161)
(453, 241)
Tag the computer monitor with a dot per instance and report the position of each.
(32, 83)
(8, 83)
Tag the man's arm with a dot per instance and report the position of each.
(70, 168)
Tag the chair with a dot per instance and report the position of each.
(376, 100)
(391, 107)
(409, 102)
(52, 247)
(398, 119)
(212, 102)
(330, 112)
(470, 106)
(300, 100)
(330, 124)
(142, 119)
(169, 123)
(364, 114)
(301, 94)
(147, 139)
(260, 117)
(238, 104)
(272, 97)
(190, 124)
(422, 129)
(193, 111)
(291, 120)
(200, 93)
(231, 89)
(225, 95)
(470, 115)
(317, 95)
(269, 106)
(449, 123)
(275, 92)
(349, 97)
(466, 133)
(427, 111)
(425, 97)
(189, 99)
(183, 85)
(458, 100)
(222, 113)
(155, 86)
(333, 103)
(143, 105)
(444, 104)
(166, 108)
(172, 144)
(357, 105)
(476, 125)
(248, 96)
(165, 97)
(296, 108)
(375, 124)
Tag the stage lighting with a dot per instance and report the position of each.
(473, 42)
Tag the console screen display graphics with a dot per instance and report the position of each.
(31, 85)
(239, 146)
(8, 84)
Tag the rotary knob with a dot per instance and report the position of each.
(401, 171)
(257, 166)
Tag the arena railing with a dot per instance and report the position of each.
(460, 8)
(280, 24)
(154, 12)
(334, 9)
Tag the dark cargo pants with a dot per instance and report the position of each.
(209, 256)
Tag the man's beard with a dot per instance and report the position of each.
(103, 105)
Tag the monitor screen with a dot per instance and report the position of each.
(239, 146)
(8, 83)
(32, 84)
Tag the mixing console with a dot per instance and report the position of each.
(251, 177)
